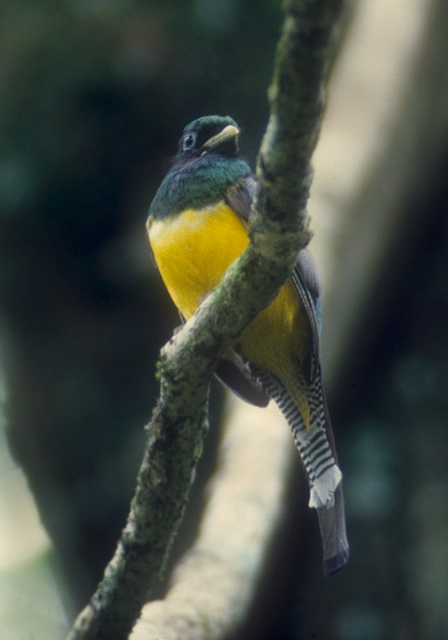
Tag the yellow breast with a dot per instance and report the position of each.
(193, 250)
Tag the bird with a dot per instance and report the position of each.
(197, 227)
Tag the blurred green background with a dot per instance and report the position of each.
(93, 97)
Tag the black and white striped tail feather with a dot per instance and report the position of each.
(316, 447)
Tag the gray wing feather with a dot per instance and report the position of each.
(236, 375)
(316, 446)
(332, 519)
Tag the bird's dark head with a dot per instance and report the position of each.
(209, 135)
(205, 167)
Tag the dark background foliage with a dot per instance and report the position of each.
(93, 97)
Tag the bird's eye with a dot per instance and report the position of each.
(189, 141)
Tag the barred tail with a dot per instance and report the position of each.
(316, 447)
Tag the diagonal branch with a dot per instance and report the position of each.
(280, 227)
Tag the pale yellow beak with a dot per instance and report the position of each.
(226, 134)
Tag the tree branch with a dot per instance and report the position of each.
(280, 227)
(213, 585)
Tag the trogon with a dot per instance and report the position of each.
(197, 226)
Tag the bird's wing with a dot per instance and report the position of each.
(304, 278)
(331, 519)
(240, 197)
(316, 445)
(235, 374)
